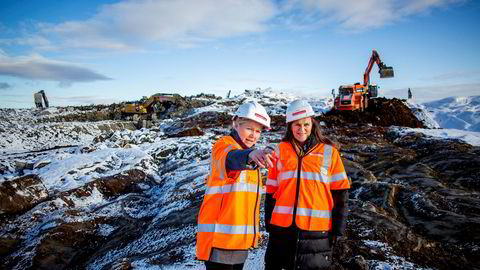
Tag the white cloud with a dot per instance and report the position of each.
(126, 24)
(358, 16)
(135, 24)
(31, 40)
(36, 67)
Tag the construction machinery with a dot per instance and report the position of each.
(40, 99)
(355, 96)
(148, 105)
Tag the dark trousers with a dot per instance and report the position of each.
(221, 266)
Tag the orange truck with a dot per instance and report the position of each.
(355, 96)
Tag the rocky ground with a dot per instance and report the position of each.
(96, 193)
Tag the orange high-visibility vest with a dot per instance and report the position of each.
(314, 175)
(229, 217)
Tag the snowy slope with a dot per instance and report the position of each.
(422, 114)
(456, 112)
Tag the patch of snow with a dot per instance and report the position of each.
(469, 137)
(105, 229)
(88, 202)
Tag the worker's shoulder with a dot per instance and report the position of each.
(328, 147)
(224, 142)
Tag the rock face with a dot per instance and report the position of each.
(21, 194)
(414, 201)
(412, 197)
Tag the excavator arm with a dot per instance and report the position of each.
(383, 70)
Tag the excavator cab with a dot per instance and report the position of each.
(372, 90)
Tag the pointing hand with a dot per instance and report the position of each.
(261, 158)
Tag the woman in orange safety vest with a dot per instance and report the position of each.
(307, 194)
(228, 222)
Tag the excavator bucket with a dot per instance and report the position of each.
(386, 72)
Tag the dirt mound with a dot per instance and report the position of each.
(381, 112)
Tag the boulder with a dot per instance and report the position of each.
(21, 194)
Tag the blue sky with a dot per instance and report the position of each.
(84, 52)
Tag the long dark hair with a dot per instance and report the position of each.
(320, 138)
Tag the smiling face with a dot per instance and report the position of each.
(301, 129)
(249, 131)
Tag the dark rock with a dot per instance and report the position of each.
(66, 245)
(424, 204)
(208, 120)
(21, 194)
(8, 245)
(186, 132)
(111, 186)
(21, 165)
(358, 263)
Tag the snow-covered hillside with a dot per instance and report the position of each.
(456, 112)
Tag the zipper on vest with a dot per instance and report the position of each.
(297, 191)
(255, 209)
(294, 221)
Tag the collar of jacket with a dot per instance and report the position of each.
(309, 144)
(236, 137)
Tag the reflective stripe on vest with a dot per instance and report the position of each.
(303, 212)
(287, 175)
(271, 182)
(227, 229)
(238, 187)
(314, 213)
(338, 177)
(283, 209)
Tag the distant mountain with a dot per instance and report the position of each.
(456, 112)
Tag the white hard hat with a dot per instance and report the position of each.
(254, 111)
(299, 109)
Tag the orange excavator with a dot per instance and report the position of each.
(355, 96)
